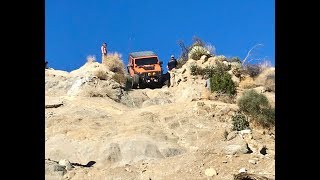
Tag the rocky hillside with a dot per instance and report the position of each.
(95, 129)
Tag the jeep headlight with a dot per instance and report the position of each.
(154, 73)
(149, 74)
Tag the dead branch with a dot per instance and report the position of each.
(249, 53)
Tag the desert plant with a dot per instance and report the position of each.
(221, 67)
(253, 70)
(265, 65)
(266, 118)
(234, 59)
(220, 58)
(247, 82)
(184, 52)
(270, 83)
(208, 71)
(257, 106)
(114, 62)
(237, 72)
(240, 122)
(101, 74)
(230, 99)
(196, 70)
(119, 77)
(91, 58)
(251, 102)
(221, 82)
(195, 52)
(211, 49)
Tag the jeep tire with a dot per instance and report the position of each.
(135, 81)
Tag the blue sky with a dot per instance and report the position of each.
(75, 29)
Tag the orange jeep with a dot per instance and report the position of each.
(145, 69)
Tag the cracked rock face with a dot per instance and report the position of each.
(95, 129)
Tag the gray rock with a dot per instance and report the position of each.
(53, 169)
(66, 163)
(236, 146)
(232, 135)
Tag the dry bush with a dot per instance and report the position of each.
(266, 79)
(119, 77)
(222, 97)
(270, 83)
(247, 83)
(211, 49)
(114, 63)
(101, 74)
(253, 70)
(91, 59)
(265, 65)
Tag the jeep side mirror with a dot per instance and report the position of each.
(160, 62)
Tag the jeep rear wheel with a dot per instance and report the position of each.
(135, 81)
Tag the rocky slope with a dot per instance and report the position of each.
(94, 129)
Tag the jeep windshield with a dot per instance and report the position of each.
(146, 61)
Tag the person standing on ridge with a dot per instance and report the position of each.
(104, 51)
(172, 63)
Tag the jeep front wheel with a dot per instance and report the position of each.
(135, 81)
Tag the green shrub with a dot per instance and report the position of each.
(196, 70)
(240, 122)
(208, 71)
(266, 118)
(257, 106)
(252, 102)
(221, 82)
(221, 67)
